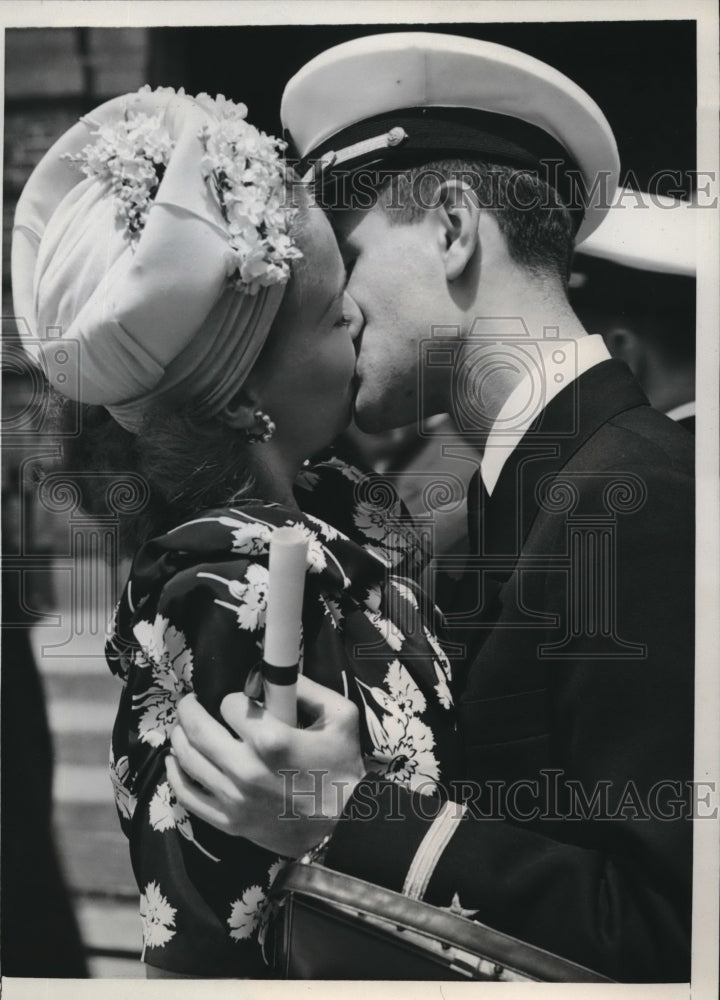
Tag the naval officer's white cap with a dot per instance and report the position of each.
(648, 232)
(404, 98)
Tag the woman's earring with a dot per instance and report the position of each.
(264, 435)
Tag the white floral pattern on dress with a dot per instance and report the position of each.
(441, 688)
(373, 598)
(251, 539)
(251, 592)
(402, 743)
(379, 554)
(350, 472)
(251, 613)
(408, 696)
(251, 912)
(163, 645)
(372, 521)
(408, 754)
(439, 652)
(406, 592)
(166, 813)
(119, 773)
(307, 478)
(245, 913)
(387, 629)
(268, 909)
(114, 654)
(384, 526)
(332, 609)
(329, 533)
(158, 918)
(274, 870)
(316, 558)
(165, 651)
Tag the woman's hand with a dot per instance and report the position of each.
(280, 787)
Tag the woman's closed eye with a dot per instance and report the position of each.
(343, 321)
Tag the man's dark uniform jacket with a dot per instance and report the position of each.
(579, 683)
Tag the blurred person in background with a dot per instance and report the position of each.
(40, 935)
(633, 281)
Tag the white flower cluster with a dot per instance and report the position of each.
(242, 165)
(247, 172)
(131, 154)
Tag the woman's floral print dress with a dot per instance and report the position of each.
(191, 618)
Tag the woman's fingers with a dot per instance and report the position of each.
(253, 723)
(205, 734)
(197, 801)
(201, 769)
(244, 786)
(269, 737)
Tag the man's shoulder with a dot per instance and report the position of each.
(641, 438)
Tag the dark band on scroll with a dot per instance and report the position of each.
(279, 675)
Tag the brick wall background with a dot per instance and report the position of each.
(52, 75)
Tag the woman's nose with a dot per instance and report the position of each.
(354, 316)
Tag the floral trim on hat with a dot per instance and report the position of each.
(246, 170)
(131, 154)
(242, 165)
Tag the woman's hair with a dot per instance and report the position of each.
(186, 465)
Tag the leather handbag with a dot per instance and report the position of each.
(328, 925)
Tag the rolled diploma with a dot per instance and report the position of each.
(283, 622)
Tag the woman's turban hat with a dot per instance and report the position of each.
(150, 250)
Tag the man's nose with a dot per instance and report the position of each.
(355, 318)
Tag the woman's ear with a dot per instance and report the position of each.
(239, 413)
(461, 218)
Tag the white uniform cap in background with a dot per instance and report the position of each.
(647, 232)
(518, 108)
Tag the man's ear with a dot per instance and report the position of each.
(460, 215)
(239, 413)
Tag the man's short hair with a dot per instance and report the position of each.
(538, 227)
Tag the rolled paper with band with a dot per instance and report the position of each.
(283, 623)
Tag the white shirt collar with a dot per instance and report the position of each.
(553, 364)
(682, 412)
